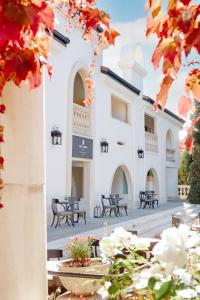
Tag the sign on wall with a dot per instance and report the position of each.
(82, 147)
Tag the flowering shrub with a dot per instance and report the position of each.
(122, 249)
(172, 273)
(79, 250)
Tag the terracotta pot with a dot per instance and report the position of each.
(83, 286)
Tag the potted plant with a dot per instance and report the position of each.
(80, 261)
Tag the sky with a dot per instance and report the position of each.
(128, 18)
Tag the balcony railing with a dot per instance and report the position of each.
(151, 142)
(183, 191)
(170, 155)
(81, 120)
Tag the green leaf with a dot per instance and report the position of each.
(164, 290)
(151, 283)
(113, 289)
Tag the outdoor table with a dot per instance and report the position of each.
(68, 204)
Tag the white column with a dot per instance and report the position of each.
(23, 219)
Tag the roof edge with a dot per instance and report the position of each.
(167, 111)
(119, 79)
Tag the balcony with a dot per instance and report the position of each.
(170, 155)
(151, 142)
(81, 120)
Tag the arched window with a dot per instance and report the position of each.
(79, 90)
(170, 150)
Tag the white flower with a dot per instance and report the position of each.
(187, 293)
(172, 250)
(141, 279)
(103, 291)
(118, 240)
(185, 277)
(108, 248)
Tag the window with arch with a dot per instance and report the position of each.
(149, 124)
(79, 90)
(170, 150)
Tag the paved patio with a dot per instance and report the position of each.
(95, 226)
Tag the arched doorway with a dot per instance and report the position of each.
(152, 183)
(121, 184)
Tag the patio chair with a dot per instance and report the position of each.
(74, 206)
(142, 196)
(108, 207)
(54, 253)
(61, 214)
(119, 203)
(150, 196)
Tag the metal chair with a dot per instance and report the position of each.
(54, 253)
(118, 202)
(108, 208)
(150, 196)
(73, 206)
(61, 214)
(142, 196)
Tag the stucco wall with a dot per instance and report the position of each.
(99, 171)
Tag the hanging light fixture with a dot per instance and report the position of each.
(140, 153)
(56, 136)
(104, 146)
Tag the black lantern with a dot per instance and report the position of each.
(140, 153)
(104, 146)
(56, 136)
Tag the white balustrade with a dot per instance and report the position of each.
(151, 142)
(170, 155)
(81, 119)
(183, 191)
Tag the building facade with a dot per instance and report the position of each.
(120, 117)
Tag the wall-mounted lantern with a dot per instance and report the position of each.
(104, 146)
(140, 153)
(56, 136)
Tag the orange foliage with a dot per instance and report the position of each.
(178, 33)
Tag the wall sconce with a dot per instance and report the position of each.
(140, 153)
(56, 136)
(104, 146)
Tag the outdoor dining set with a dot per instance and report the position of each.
(148, 198)
(71, 209)
(67, 210)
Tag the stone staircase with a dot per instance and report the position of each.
(153, 225)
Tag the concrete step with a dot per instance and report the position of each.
(156, 225)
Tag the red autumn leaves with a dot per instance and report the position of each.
(178, 35)
(23, 40)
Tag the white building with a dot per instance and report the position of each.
(121, 115)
